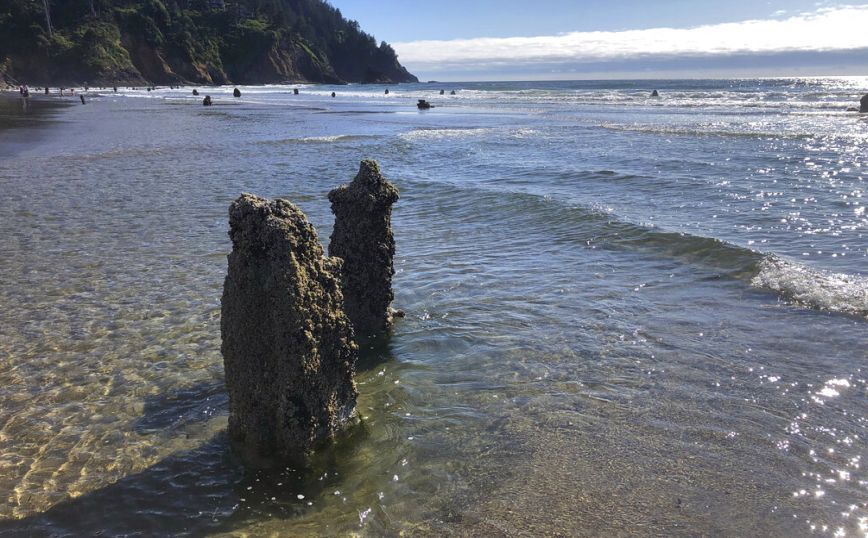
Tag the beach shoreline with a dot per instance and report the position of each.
(22, 119)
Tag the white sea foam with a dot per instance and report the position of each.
(824, 290)
(324, 139)
(330, 139)
(437, 134)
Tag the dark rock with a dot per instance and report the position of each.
(387, 91)
(452, 92)
(333, 94)
(206, 101)
(46, 90)
(236, 92)
(655, 94)
(864, 104)
(423, 105)
(195, 92)
(852, 109)
(295, 91)
(288, 347)
(442, 92)
(363, 238)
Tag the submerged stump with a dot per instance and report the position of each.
(363, 237)
(288, 348)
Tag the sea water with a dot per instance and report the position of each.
(625, 314)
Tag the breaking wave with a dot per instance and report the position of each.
(814, 288)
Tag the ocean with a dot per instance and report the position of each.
(626, 315)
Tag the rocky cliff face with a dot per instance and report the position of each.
(189, 41)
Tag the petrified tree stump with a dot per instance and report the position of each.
(363, 237)
(287, 345)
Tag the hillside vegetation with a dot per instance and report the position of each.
(106, 42)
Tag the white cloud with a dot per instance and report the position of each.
(828, 29)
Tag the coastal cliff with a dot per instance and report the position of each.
(107, 42)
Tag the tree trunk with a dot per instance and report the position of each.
(47, 17)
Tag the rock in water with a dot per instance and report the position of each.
(864, 104)
(288, 348)
(206, 101)
(236, 92)
(363, 238)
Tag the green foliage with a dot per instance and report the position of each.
(99, 47)
(260, 26)
(99, 34)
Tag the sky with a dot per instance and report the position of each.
(464, 40)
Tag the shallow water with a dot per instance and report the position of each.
(625, 315)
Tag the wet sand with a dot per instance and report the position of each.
(17, 112)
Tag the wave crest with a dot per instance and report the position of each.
(824, 290)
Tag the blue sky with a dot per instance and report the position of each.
(572, 39)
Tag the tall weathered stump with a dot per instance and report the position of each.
(363, 237)
(288, 347)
